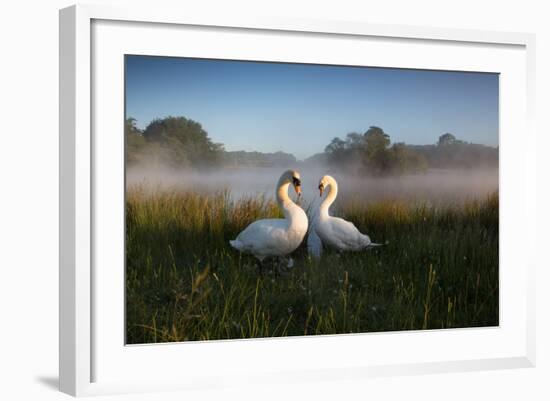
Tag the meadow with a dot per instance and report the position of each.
(184, 282)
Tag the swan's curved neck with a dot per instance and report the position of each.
(330, 198)
(283, 199)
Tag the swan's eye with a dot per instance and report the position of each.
(321, 186)
(296, 182)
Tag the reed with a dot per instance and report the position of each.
(184, 282)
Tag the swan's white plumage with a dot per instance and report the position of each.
(335, 232)
(341, 234)
(314, 243)
(276, 237)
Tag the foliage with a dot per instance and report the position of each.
(179, 142)
(371, 154)
(184, 142)
(404, 160)
(376, 157)
(446, 139)
(458, 155)
(135, 142)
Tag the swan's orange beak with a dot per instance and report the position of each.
(321, 187)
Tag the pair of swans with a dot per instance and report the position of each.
(280, 237)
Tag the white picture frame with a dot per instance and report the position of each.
(88, 348)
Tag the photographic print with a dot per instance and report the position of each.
(269, 199)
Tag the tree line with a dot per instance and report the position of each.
(173, 141)
(179, 142)
(373, 153)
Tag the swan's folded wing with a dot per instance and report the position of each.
(348, 236)
(265, 237)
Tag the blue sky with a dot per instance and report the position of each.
(299, 108)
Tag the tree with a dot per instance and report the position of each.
(355, 140)
(405, 160)
(376, 157)
(135, 143)
(377, 138)
(184, 142)
(336, 151)
(371, 153)
(446, 139)
(335, 146)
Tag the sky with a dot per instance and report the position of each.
(299, 108)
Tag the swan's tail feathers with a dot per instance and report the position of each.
(235, 243)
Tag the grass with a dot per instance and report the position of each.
(184, 282)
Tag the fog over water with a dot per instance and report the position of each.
(434, 186)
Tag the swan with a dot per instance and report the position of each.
(334, 232)
(276, 237)
(314, 243)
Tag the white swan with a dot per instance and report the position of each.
(276, 237)
(314, 243)
(334, 232)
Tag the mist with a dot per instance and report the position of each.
(434, 186)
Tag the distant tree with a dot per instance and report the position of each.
(405, 160)
(370, 153)
(376, 157)
(184, 142)
(446, 139)
(376, 137)
(355, 140)
(318, 159)
(130, 126)
(336, 151)
(451, 152)
(346, 154)
(135, 143)
(335, 146)
(281, 158)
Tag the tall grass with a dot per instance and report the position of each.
(184, 281)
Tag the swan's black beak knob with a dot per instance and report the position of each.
(297, 185)
(298, 190)
(321, 187)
